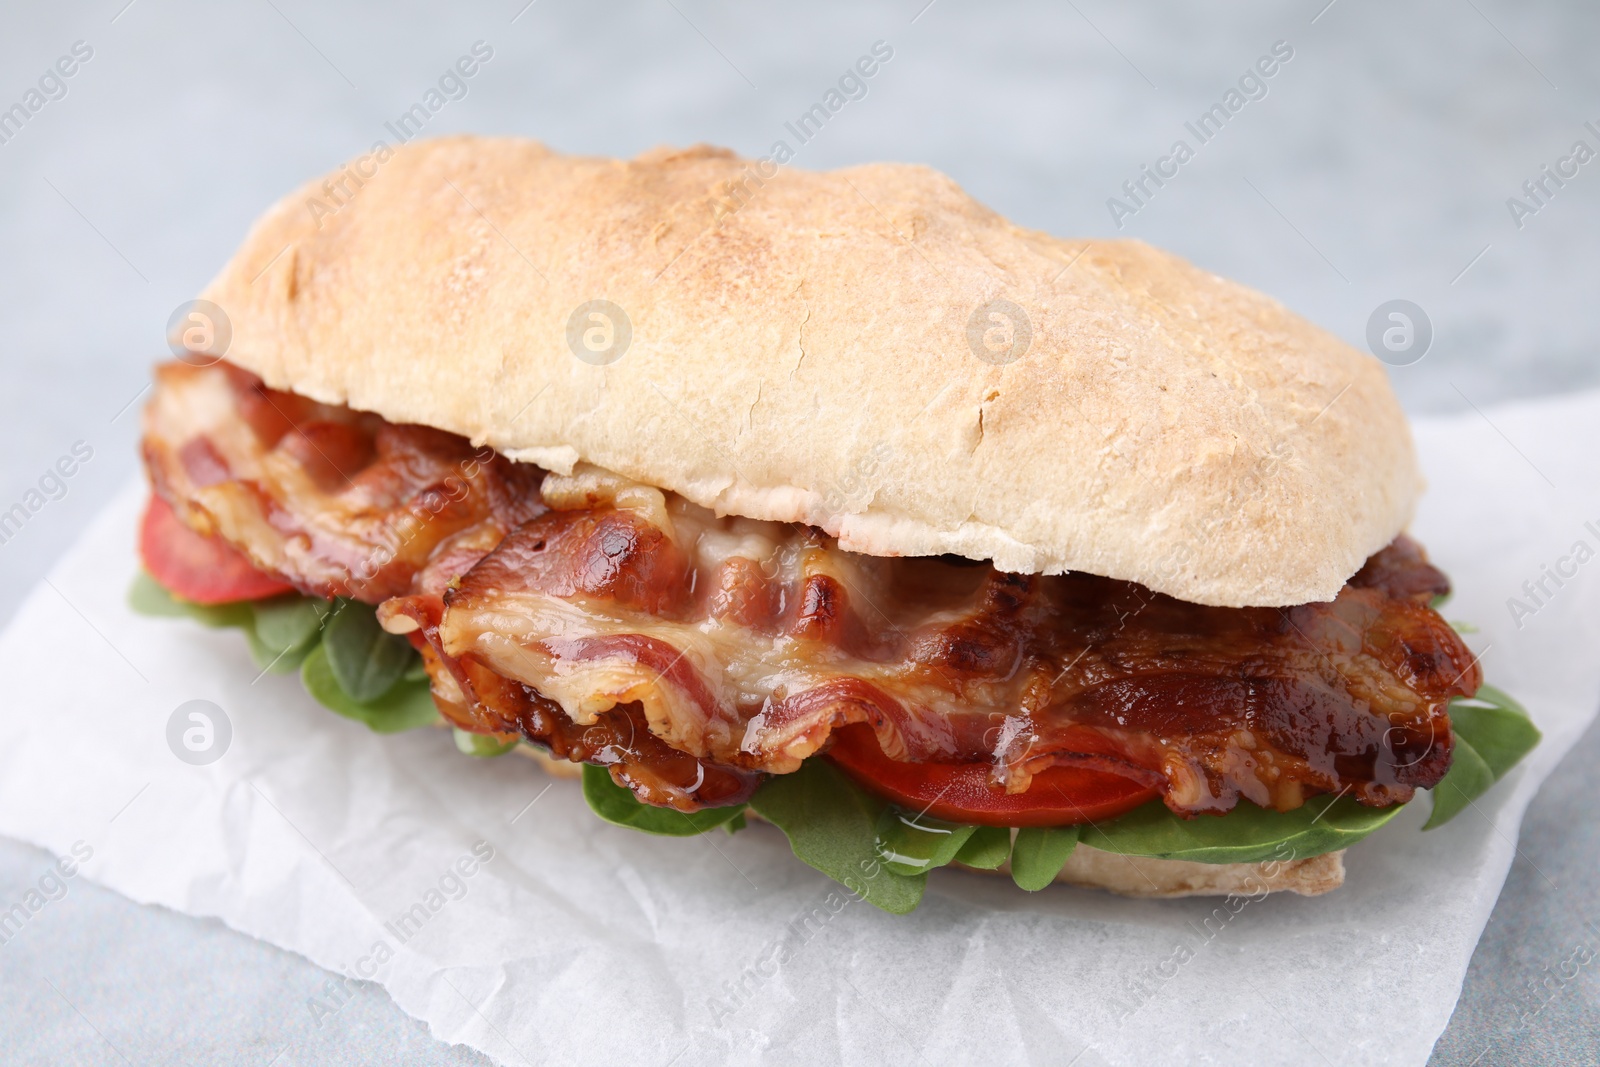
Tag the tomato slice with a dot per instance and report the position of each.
(960, 792)
(197, 568)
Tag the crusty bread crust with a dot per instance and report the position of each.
(826, 348)
(1140, 876)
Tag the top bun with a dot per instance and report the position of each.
(868, 350)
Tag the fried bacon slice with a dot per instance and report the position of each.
(333, 501)
(614, 623)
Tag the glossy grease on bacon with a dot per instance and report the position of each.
(747, 644)
(333, 501)
(613, 623)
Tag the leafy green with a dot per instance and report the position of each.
(1247, 834)
(1039, 853)
(286, 632)
(290, 620)
(272, 659)
(149, 597)
(146, 596)
(1469, 777)
(617, 804)
(482, 745)
(879, 852)
(914, 844)
(831, 824)
(280, 629)
(1496, 726)
(283, 629)
(404, 706)
(987, 848)
(1492, 734)
(365, 658)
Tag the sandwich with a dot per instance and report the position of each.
(834, 501)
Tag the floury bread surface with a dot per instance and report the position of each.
(868, 350)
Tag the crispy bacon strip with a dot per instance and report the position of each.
(617, 624)
(752, 661)
(336, 502)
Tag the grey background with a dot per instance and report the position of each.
(1377, 167)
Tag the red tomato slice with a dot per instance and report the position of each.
(960, 792)
(199, 569)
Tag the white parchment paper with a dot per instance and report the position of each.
(577, 942)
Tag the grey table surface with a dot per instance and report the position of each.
(1378, 164)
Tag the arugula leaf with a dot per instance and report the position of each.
(290, 620)
(1469, 777)
(1492, 734)
(275, 660)
(283, 632)
(1496, 726)
(913, 844)
(875, 850)
(617, 804)
(283, 629)
(987, 848)
(146, 596)
(831, 824)
(280, 630)
(1039, 853)
(365, 658)
(149, 597)
(1247, 834)
(405, 706)
(482, 745)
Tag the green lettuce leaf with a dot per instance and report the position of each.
(831, 824)
(1469, 777)
(274, 628)
(617, 804)
(1247, 834)
(914, 844)
(290, 620)
(404, 705)
(1496, 726)
(483, 746)
(366, 659)
(287, 632)
(987, 848)
(275, 660)
(283, 630)
(875, 849)
(1492, 734)
(1039, 853)
(149, 597)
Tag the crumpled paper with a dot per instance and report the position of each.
(489, 902)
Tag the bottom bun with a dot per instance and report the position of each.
(1138, 876)
(1147, 876)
